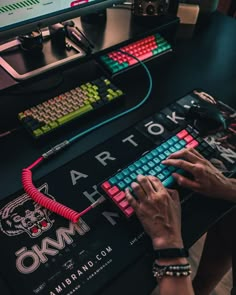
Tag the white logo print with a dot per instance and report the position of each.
(24, 215)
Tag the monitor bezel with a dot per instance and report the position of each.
(17, 29)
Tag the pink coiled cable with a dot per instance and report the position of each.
(48, 203)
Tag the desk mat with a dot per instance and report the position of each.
(42, 253)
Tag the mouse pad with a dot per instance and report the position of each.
(43, 253)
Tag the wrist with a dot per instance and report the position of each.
(161, 243)
(171, 261)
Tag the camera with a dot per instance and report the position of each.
(150, 7)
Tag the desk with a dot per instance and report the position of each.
(206, 61)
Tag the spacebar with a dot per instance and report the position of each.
(74, 114)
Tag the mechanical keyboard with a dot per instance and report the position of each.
(144, 49)
(54, 113)
(150, 163)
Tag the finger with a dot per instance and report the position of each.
(146, 185)
(133, 203)
(186, 182)
(189, 167)
(186, 154)
(138, 191)
(174, 194)
(156, 183)
(194, 151)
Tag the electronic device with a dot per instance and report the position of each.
(149, 163)
(22, 17)
(143, 49)
(79, 39)
(76, 103)
(150, 7)
(206, 114)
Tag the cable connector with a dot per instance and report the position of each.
(57, 148)
(99, 201)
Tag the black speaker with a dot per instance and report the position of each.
(154, 7)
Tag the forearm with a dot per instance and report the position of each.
(172, 285)
(176, 285)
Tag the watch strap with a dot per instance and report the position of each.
(171, 253)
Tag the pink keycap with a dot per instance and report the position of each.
(182, 134)
(113, 191)
(192, 144)
(129, 211)
(106, 185)
(119, 197)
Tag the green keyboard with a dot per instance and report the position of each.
(54, 113)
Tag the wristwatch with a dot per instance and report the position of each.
(171, 253)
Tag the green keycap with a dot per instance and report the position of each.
(131, 168)
(154, 152)
(169, 181)
(138, 164)
(182, 142)
(160, 149)
(167, 153)
(121, 185)
(151, 164)
(140, 171)
(37, 132)
(74, 114)
(113, 180)
(171, 168)
(156, 160)
(166, 172)
(119, 176)
(175, 138)
(172, 149)
(160, 176)
(162, 157)
(126, 172)
(157, 169)
(143, 160)
(45, 128)
(148, 156)
(127, 180)
(177, 146)
(165, 145)
(53, 125)
(152, 172)
(145, 168)
(133, 176)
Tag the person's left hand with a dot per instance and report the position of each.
(159, 211)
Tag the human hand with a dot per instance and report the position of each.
(159, 211)
(208, 180)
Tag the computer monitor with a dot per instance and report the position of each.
(19, 17)
(22, 16)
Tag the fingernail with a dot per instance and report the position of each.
(133, 184)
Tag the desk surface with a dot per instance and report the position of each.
(205, 61)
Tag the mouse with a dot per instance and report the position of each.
(206, 118)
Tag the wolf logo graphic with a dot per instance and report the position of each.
(24, 215)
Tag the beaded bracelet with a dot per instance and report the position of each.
(177, 270)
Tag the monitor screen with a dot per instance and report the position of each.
(22, 16)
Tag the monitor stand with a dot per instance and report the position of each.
(95, 18)
(22, 65)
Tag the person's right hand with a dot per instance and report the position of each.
(208, 180)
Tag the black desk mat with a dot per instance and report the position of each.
(43, 253)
